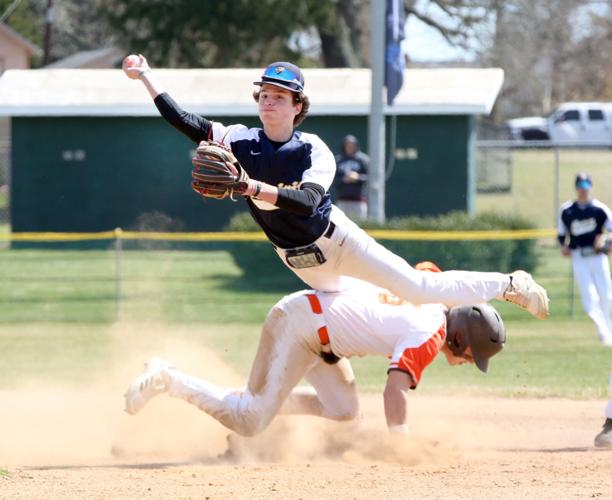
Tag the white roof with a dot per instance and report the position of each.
(87, 58)
(227, 92)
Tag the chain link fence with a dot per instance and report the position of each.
(534, 178)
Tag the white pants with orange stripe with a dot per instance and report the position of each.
(351, 253)
(288, 351)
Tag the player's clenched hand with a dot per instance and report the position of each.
(133, 65)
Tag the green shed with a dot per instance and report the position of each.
(90, 153)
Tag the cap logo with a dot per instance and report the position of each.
(279, 69)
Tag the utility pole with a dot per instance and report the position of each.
(47, 39)
(376, 122)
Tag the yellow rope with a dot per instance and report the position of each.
(382, 234)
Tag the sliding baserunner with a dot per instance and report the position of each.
(311, 335)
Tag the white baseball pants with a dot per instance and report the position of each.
(593, 276)
(288, 351)
(609, 405)
(351, 253)
(356, 210)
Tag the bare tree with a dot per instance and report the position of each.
(551, 52)
(458, 21)
(344, 34)
(589, 74)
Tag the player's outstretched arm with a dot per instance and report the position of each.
(136, 67)
(193, 126)
(396, 401)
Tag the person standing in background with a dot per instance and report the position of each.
(581, 222)
(351, 179)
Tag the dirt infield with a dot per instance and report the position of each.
(78, 444)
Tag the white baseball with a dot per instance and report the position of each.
(132, 60)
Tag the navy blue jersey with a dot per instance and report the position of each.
(582, 222)
(304, 159)
(351, 191)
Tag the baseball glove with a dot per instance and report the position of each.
(217, 173)
(603, 243)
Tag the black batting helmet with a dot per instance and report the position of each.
(479, 327)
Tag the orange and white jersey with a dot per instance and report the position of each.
(366, 320)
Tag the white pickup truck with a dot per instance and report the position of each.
(571, 122)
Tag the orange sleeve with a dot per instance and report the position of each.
(415, 359)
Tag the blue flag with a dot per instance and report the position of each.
(394, 58)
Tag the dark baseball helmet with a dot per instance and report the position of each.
(479, 327)
(284, 75)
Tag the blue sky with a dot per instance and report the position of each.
(423, 43)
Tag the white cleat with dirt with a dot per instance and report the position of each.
(153, 381)
(604, 438)
(526, 293)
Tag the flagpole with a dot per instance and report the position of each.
(376, 122)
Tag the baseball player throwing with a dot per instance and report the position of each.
(310, 334)
(285, 176)
(583, 226)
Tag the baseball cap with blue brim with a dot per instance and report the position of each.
(284, 75)
(583, 181)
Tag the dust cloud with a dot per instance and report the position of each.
(47, 424)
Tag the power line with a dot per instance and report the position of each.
(9, 10)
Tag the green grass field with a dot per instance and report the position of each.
(533, 183)
(60, 313)
(59, 308)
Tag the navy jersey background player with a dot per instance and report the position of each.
(583, 219)
(293, 171)
(580, 221)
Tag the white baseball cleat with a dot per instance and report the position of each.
(526, 293)
(153, 381)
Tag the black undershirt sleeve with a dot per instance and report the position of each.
(193, 126)
(303, 201)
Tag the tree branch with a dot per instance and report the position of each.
(445, 31)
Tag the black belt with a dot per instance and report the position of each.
(330, 230)
(328, 234)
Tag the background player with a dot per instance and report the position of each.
(291, 202)
(580, 222)
(310, 335)
(351, 176)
